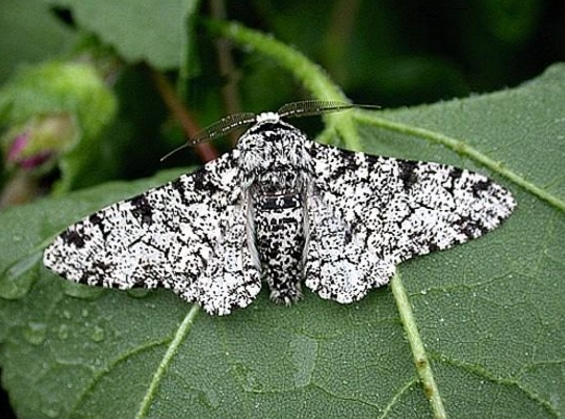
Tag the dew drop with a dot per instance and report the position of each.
(304, 351)
(51, 413)
(246, 376)
(209, 398)
(63, 332)
(138, 292)
(17, 279)
(98, 334)
(35, 333)
(84, 312)
(82, 291)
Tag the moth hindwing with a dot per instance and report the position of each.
(282, 209)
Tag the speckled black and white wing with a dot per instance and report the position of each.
(369, 213)
(187, 235)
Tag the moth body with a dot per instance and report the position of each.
(276, 171)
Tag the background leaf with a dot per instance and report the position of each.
(140, 30)
(490, 312)
(29, 34)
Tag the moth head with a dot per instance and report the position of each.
(273, 149)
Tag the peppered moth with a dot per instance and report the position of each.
(282, 209)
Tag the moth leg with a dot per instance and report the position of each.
(286, 291)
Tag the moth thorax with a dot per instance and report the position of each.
(278, 182)
(274, 159)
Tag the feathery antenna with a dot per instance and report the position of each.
(290, 110)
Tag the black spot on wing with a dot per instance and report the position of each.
(200, 181)
(455, 172)
(179, 186)
(433, 247)
(408, 174)
(95, 219)
(74, 238)
(348, 165)
(142, 209)
(471, 228)
(481, 186)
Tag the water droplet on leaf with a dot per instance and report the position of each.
(51, 413)
(82, 291)
(35, 333)
(63, 332)
(304, 350)
(18, 278)
(138, 292)
(209, 398)
(98, 334)
(246, 377)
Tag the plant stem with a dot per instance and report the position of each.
(311, 75)
(205, 151)
(226, 66)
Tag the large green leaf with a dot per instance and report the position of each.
(490, 312)
(140, 30)
(29, 33)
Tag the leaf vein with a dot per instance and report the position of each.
(106, 370)
(182, 331)
(510, 382)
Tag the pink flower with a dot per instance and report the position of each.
(39, 141)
